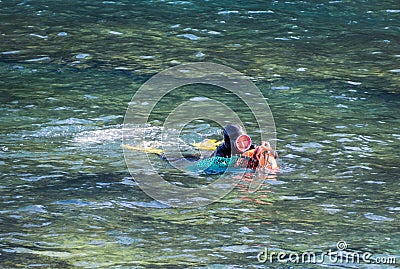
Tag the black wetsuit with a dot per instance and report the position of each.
(231, 132)
(224, 151)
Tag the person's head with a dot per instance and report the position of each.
(236, 139)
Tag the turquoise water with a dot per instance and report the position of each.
(329, 71)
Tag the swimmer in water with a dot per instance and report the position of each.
(238, 143)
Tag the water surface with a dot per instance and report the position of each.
(329, 71)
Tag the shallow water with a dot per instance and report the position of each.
(330, 73)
